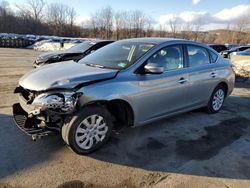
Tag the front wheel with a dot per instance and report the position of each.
(216, 101)
(88, 130)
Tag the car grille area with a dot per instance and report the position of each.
(27, 124)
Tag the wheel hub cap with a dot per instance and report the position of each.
(90, 131)
(218, 99)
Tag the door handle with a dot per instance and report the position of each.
(213, 75)
(182, 80)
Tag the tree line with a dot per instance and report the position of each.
(40, 18)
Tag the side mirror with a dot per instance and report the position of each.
(153, 68)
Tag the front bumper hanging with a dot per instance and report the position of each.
(29, 125)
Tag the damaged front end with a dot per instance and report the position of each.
(42, 113)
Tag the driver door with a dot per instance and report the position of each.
(165, 93)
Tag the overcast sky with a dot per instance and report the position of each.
(213, 13)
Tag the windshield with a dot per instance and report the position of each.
(82, 47)
(118, 55)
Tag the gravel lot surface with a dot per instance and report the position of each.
(189, 150)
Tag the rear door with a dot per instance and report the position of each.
(201, 73)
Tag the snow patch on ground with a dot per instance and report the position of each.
(51, 46)
(241, 65)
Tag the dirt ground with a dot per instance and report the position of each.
(189, 150)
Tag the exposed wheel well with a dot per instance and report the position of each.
(224, 84)
(121, 111)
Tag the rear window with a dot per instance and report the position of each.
(197, 56)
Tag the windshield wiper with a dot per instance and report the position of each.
(99, 66)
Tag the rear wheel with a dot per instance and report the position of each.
(217, 99)
(88, 130)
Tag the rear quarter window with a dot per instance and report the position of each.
(213, 56)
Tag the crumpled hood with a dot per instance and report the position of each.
(48, 55)
(67, 76)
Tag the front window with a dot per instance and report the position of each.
(170, 58)
(82, 47)
(118, 55)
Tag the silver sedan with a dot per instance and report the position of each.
(127, 83)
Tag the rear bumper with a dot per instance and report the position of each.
(29, 125)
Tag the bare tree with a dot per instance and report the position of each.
(4, 5)
(123, 24)
(149, 26)
(173, 24)
(60, 15)
(59, 19)
(102, 22)
(197, 26)
(32, 9)
(71, 14)
(127, 24)
(243, 24)
(118, 19)
(138, 21)
(7, 19)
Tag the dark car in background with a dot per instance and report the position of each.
(218, 47)
(74, 53)
(231, 46)
(245, 52)
(234, 51)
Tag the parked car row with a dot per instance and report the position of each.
(234, 51)
(32, 39)
(229, 50)
(130, 82)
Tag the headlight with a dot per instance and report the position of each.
(59, 102)
(41, 59)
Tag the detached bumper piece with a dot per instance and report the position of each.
(29, 125)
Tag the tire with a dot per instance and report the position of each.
(91, 125)
(216, 100)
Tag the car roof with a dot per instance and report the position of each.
(247, 46)
(155, 40)
(216, 45)
(248, 49)
(243, 46)
(98, 40)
